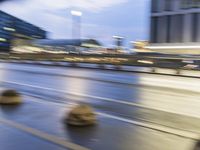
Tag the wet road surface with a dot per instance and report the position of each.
(123, 101)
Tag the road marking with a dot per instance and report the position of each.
(145, 124)
(153, 126)
(70, 76)
(50, 138)
(96, 79)
(104, 99)
(144, 83)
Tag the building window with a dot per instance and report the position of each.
(168, 5)
(176, 29)
(162, 29)
(154, 6)
(168, 28)
(154, 24)
(195, 26)
(185, 4)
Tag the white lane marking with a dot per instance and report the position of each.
(70, 76)
(143, 82)
(106, 99)
(43, 101)
(161, 128)
(153, 126)
(50, 138)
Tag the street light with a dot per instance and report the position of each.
(76, 24)
(117, 37)
(118, 41)
(76, 13)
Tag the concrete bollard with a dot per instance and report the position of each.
(81, 115)
(117, 67)
(178, 71)
(10, 97)
(153, 70)
(197, 146)
(73, 64)
(101, 66)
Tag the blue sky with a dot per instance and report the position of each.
(101, 18)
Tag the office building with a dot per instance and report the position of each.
(14, 31)
(175, 26)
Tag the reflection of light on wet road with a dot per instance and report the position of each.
(129, 134)
(76, 86)
(177, 103)
(122, 105)
(42, 135)
(2, 72)
(189, 84)
(174, 94)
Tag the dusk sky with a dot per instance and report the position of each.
(101, 18)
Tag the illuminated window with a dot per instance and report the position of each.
(9, 29)
(2, 40)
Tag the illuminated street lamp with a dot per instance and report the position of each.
(76, 24)
(76, 13)
(117, 37)
(118, 41)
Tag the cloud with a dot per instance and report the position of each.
(44, 12)
(31, 10)
(89, 5)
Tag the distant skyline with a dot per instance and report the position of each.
(100, 20)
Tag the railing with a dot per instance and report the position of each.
(195, 73)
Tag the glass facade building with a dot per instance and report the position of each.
(175, 22)
(12, 29)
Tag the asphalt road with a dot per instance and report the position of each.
(135, 111)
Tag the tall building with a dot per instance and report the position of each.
(175, 26)
(15, 31)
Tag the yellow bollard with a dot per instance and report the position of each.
(10, 97)
(81, 115)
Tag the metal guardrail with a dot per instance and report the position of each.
(137, 69)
